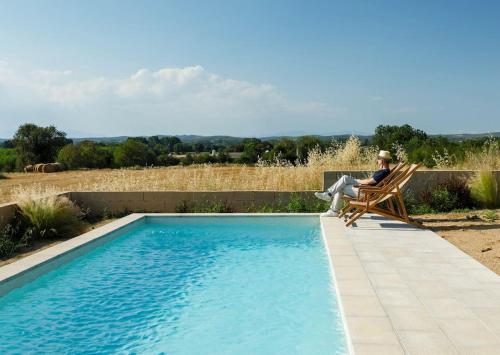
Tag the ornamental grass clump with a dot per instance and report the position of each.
(484, 189)
(49, 215)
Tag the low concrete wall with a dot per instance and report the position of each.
(167, 201)
(420, 181)
(7, 211)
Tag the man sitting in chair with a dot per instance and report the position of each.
(345, 185)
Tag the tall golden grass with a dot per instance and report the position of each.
(488, 158)
(278, 175)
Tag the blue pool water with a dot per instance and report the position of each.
(191, 285)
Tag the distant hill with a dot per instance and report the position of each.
(465, 136)
(190, 138)
(324, 138)
(118, 139)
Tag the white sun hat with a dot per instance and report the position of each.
(384, 154)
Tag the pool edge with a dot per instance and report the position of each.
(349, 343)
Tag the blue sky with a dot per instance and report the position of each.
(249, 68)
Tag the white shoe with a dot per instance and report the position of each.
(323, 196)
(329, 213)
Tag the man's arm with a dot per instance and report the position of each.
(369, 181)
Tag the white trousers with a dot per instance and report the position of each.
(343, 186)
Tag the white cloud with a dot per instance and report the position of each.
(167, 101)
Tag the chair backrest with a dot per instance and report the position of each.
(395, 184)
(409, 173)
(395, 172)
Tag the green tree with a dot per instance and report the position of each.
(167, 160)
(86, 154)
(7, 144)
(7, 159)
(178, 148)
(94, 156)
(188, 159)
(169, 142)
(386, 136)
(133, 152)
(198, 147)
(307, 143)
(286, 149)
(36, 144)
(69, 155)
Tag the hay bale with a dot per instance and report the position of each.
(49, 168)
(38, 168)
(28, 168)
(59, 166)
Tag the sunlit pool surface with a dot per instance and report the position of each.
(191, 285)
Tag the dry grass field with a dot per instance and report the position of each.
(192, 178)
(277, 175)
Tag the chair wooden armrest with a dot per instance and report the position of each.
(366, 186)
(373, 189)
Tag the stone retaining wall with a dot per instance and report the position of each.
(167, 201)
(421, 180)
(7, 211)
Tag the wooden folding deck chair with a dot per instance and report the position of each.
(374, 196)
(396, 171)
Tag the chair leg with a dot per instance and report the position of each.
(404, 214)
(343, 211)
(355, 216)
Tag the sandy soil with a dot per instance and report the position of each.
(471, 233)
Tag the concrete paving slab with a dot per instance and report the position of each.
(363, 306)
(411, 318)
(371, 330)
(469, 332)
(426, 342)
(376, 349)
(412, 292)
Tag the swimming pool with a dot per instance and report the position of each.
(185, 285)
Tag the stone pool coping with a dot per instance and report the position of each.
(406, 290)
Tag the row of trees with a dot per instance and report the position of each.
(32, 144)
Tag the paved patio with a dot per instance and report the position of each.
(406, 290)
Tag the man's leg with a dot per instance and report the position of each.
(348, 190)
(341, 183)
(338, 186)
